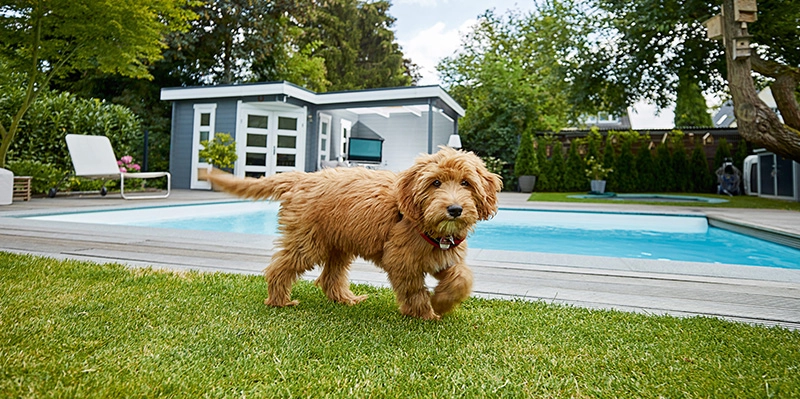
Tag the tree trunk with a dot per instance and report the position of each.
(757, 123)
(786, 81)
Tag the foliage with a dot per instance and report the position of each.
(525, 163)
(493, 165)
(557, 167)
(593, 140)
(220, 152)
(506, 91)
(657, 51)
(238, 40)
(646, 168)
(680, 166)
(701, 180)
(626, 173)
(42, 40)
(610, 162)
(690, 105)
(43, 176)
(722, 154)
(356, 42)
(574, 169)
(595, 170)
(663, 161)
(543, 180)
(55, 115)
(740, 154)
(737, 201)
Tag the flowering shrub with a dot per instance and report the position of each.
(126, 165)
(595, 169)
(494, 165)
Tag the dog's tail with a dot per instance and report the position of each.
(271, 187)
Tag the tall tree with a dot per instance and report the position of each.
(356, 40)
(45, 39)
(756, 121)
(509, 75)
(648, 49)
(690, 105)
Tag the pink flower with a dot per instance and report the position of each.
(135, 167)
(120, 163)
(123, 170)
(127, 159)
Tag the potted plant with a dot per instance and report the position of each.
(525, 167)
(597, 173)
(219, 152)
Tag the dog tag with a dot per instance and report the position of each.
(446, 242)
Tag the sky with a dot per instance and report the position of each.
(429, 30)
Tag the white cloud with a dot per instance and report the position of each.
(431, 45)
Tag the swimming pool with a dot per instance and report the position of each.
(642, 236)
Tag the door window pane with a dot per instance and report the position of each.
(256, 140)
(254, 174)
(324, 128)
(205, 119)
(252, 159)
(204, 136)
(257, 121)
(285, 160)
(287, 123)
(324, 145)
(287, 142)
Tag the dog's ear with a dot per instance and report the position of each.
(408, 187)
(491, 184)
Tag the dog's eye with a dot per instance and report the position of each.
(464, 183)
(437, 183)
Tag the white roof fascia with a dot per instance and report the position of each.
(398, 93)
(201, 92)
(344, 97)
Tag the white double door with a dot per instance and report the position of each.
(270, 141)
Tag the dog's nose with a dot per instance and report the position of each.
(454, 210)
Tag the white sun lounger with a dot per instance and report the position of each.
(93, 158)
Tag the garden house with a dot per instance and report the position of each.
(281, 127)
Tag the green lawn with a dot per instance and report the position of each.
(739, 201)
(78, 329)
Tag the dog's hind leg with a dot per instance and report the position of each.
(285, 268)
(334, 280)
(455, 285)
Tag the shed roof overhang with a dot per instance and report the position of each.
(372, 98)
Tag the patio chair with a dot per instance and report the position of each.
(93, 158)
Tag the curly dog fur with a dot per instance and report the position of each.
(396, 221)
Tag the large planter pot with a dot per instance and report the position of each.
(598, 186)
(526, 183)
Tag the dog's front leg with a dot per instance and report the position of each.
(455, 285)
(412, 295)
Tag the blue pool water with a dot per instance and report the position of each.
(658, 237)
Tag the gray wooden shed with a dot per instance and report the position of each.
(280, 127)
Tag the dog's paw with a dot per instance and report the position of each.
(355, 300)
(276, 304)
(431, 316)
(425, 314)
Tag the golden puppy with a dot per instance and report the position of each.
(409, 224)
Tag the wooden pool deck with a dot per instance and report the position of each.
(758, 295)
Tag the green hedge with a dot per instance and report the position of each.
(670, 168)
(42, 133)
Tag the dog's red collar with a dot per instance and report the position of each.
(443, 243)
